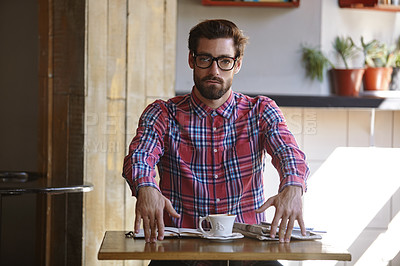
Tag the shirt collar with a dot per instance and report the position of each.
(202, 110)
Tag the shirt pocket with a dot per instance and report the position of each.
(242, 161)
(236, 159)
(186, 153)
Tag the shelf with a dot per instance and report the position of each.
(389, 100)
(368, 5)
(332, 101)
(291, 4)
(390, 8)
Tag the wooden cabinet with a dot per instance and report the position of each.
(368, 5)
(289, 4)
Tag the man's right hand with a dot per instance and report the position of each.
(150, 207)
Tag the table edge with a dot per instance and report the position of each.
(106, 255)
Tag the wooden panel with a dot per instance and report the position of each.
(396, 129)
(96, 106)
(126, 65)
(359, 128)
(114, 125)
(330, 132)
(170, 46)
(68, 42)
(62, 27)
(116, 53)
(59, 158)
(136, 87)
(76, 113)
(384, 128)
(154, 68)
(45, 93)
(115, 151)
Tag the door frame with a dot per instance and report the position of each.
(61, 129)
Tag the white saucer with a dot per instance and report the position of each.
(224, 238)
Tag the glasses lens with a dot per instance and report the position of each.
(224, 63)
(204, 61)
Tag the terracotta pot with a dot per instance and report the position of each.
(377, 78)
(346, 82)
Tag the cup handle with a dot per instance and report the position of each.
(201, 227)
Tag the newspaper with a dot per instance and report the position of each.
(262, 232)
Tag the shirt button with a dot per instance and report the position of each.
(214, 128)
(216, 176)
(215, 150)
(217, 200)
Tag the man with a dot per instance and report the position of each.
(209, 147)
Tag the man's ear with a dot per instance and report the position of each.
(191, 60)
(238, 65)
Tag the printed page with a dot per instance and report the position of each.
(174, 232)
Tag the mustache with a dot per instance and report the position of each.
(214, 78)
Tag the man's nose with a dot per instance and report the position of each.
(214, 68)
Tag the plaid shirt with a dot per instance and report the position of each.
(211, 161)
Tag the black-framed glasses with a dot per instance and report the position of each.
(204, 61)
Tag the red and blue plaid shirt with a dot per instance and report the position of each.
(211, 161)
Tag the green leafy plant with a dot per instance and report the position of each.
(397, 57)
(345, 47)
(315, 62)
(377, 54)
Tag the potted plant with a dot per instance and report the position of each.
(379, 61)
(345, 82)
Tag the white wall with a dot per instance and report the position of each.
(319, 132)
(380, 25)
(272, 63)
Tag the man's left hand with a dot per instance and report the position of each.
(288, 208)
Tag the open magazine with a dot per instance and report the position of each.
(175, 232)
(262, 232)
(257, 231)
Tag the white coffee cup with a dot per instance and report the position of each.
(221, 224)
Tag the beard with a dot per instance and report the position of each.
(212, 91)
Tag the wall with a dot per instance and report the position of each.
(319, 131)
(383, 26)
(272, 62)
(130, 62)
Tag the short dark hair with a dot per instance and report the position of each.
(218, 28)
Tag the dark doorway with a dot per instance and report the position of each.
(41, 117)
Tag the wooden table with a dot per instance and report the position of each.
(116, 246)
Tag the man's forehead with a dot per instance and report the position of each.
(216, 47)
